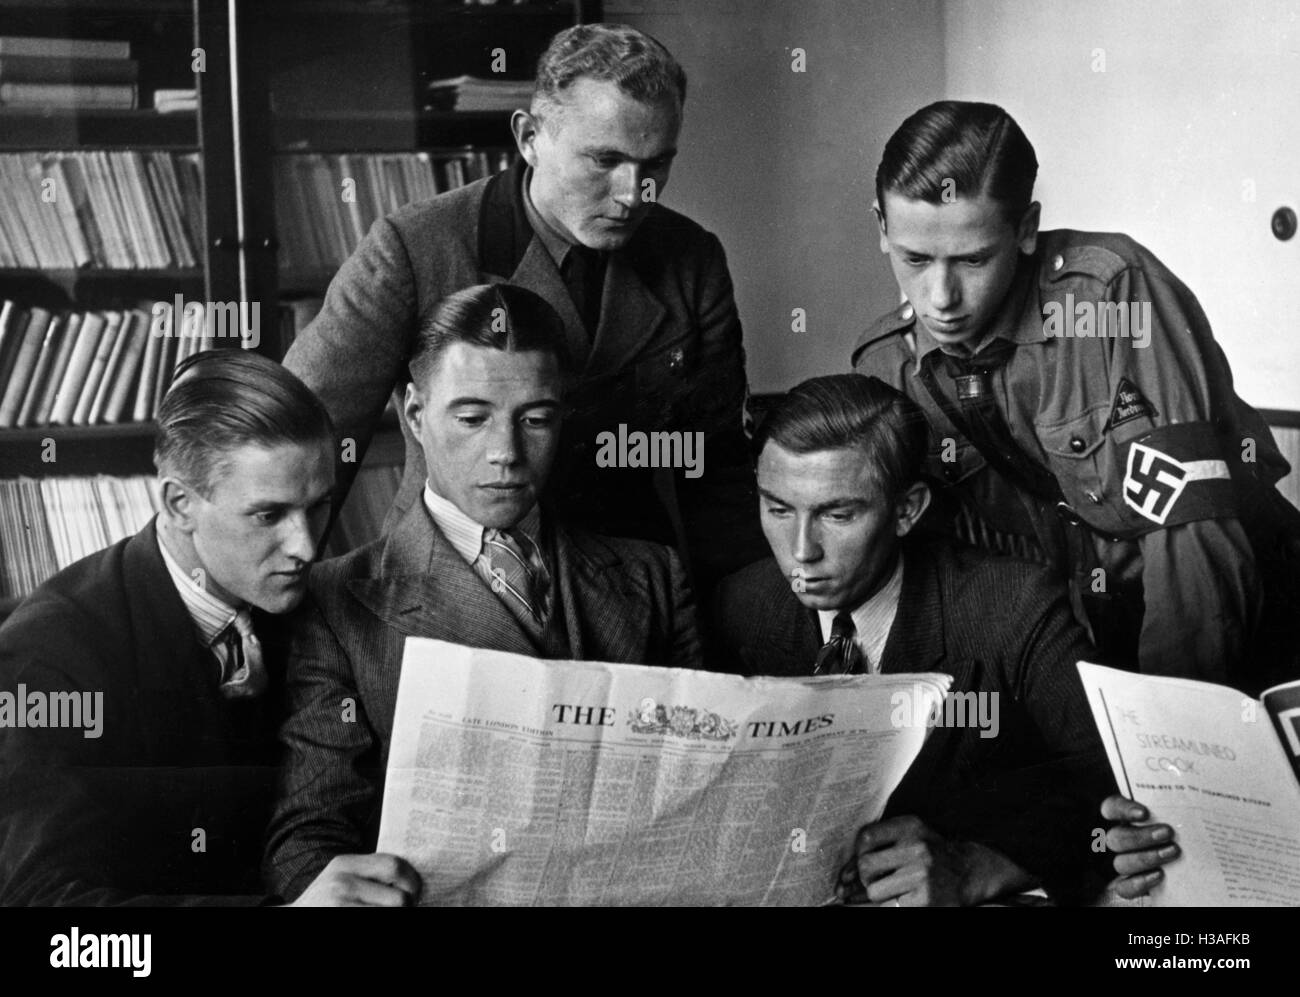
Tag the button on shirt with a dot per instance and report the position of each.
(466, 536)
(871, 620)
(211, 616)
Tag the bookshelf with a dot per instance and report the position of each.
(317, 85)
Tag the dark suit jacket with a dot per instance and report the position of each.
(621, 600)
(112, 820)
(667, 355)
(995, 625)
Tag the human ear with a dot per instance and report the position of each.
(1027, 231)
(911, 507)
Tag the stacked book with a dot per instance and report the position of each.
(128, 210)
(326, 203)
(67, 73)
(89, 368)
(473, 93)
(49, 524)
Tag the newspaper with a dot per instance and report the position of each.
(514, 780)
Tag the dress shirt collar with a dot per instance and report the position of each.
(557, 246)
(210, 615)
(465, 534)
(872, 620)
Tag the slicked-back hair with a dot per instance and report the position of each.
(493, 316)
(962, 149)
(852, 411)
(616, 53)
(224, 399)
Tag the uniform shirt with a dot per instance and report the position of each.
(466, 536)
(557, 246)
(872, 620)
(1126, 425)
(211, 615)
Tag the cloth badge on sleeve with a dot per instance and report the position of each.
(1129, 405)
(1155, 481)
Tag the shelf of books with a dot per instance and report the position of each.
(101, 225)
(120, 182)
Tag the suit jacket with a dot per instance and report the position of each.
(115, 819)
(667, 356)
(995, 625)
(621, 600)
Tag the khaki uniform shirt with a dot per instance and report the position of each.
(1151, 448)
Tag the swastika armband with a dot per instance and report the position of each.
(1177, 474)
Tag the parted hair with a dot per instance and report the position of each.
(641, 67)
(224, 399)
(962, 147)
(852, 411)
(494, 316)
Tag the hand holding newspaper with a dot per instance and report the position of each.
(514, 780)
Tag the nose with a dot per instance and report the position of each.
(945, 289)
(300, 538)
(503, 444)
(625, 185)
(807, 545)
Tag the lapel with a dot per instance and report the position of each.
(788, 636)
(508, 249)
(602, 622)
(630, 314)
(916, 644)
(424, 588)
(174, 673)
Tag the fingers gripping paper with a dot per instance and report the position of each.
(513, 780)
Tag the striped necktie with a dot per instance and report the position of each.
(243, 672)
(513, 579)
(840, 655)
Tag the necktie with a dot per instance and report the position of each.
(583, 271)
(513, 579)
(243, 672)
(840, 655)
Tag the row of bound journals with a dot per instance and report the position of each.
(47, 524)
(124, 210)
(67, 72)
(85, 368)
(325, 204)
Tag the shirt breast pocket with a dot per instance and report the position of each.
(1074, 454)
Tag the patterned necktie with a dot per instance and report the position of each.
(583, 272)
(513, 577)
(840, 655)
(243, 672)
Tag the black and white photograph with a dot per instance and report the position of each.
(649, 453)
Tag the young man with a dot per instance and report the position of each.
(982, 812)
(165, 797)
(1081, 412)
(644, 294)
(478, 561)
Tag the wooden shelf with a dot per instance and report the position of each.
(123, 449)
(43, 129)
(391, 131)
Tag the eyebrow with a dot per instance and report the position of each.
(270, 506)
(981, 251)
(834, 503)
(468, 400)
(604, 151)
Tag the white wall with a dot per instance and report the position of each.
(1198, 101)
(781, 165)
